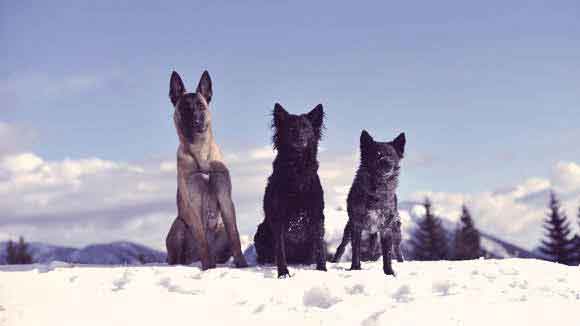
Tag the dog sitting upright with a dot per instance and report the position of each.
(372, 201)
(206, 223)
(293, 228)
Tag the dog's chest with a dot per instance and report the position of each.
(377, 219)
(298, 225)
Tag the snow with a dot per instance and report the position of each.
(478, 292)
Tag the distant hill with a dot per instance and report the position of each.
(115, 253)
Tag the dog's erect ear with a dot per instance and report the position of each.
(176, 88)
(399, 144)
(279, 115)
(204, 86)
(316, 116)
(366, 141)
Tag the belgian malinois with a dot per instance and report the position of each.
(204, 203)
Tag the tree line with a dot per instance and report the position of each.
(431, 241)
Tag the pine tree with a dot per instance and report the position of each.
(22, 252)
(17, 253)
(11, 257)
(429, 239)
(467, 241)
(577, 240)
(558, 245)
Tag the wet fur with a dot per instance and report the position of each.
(372, 202)
(205, 227)
(293, 227)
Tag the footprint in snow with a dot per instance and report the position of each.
(373, 319)
(119, 284)
(319, 297)
(355, 289)
(166, 283)
(403, 294)
(443, 288)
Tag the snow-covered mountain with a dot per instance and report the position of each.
(115, 253)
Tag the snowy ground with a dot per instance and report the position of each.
(481, 292)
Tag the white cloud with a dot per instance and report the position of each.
(566, 176)
(262, 153)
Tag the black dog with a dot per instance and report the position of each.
(372, 202)
(293, 228)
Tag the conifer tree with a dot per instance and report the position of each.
(558, 246)
(577, 240)
(11, 258)
(467, 240)
(429, 239)
(22, 252)
(17, 253)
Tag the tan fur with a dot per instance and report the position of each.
(203, 182)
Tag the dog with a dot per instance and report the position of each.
(205, 227)
(293, 226)
(372, 201)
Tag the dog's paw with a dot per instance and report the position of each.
(321, 268)
(241, 263)
(355, 268)
(208, 265)
(284, 273)
(389, 271)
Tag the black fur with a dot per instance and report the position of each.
(372, 200)
(293, 228)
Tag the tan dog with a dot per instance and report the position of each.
(206, 212)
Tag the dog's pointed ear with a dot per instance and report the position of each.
(366, 140)
(399, 144)
(316, 116)
(204, 86)
(279, 115)
(176, 88)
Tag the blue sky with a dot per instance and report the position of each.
(488, 93)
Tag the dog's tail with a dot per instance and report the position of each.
(346, 236)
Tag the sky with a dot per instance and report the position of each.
(487, 94)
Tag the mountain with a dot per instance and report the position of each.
(115, 253)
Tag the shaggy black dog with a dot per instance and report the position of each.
(293, 228)
(372, 201)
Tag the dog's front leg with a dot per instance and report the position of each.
(397, 239)
(387, 245)
(356, 238)
(279, 231)
(222, 186)
(319, 245)
(191, 202)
